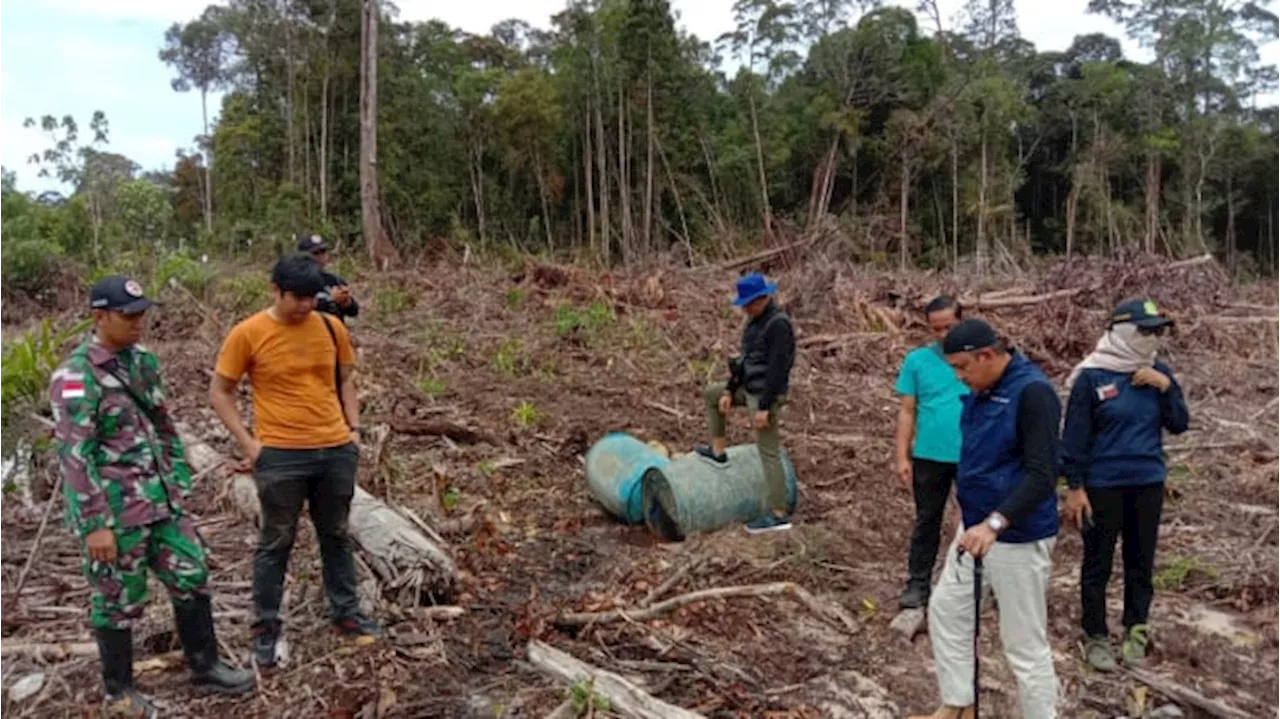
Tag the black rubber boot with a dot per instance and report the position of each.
(115, 650)
(194, 618)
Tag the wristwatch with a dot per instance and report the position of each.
(997, 523)
(358, 430)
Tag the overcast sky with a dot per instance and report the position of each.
(75, 56)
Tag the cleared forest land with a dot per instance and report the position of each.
(486, 386)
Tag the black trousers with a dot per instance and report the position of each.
(931, 485)
(326, 480)
(1131, 514)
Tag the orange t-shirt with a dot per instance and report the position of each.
(291, 368)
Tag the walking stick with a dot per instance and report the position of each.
(977, 626)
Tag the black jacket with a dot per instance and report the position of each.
(768, 351)
(325, 303)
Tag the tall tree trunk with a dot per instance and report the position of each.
(904, 183)
(648, 179)
(675, 193)
(1273, 243)
(710, 159)
(980, 247)
(1073, 195)
(624, 179)
(542, 192)
(606, 249)
(208, 166)
(290, 94)
(955, 199)
(381, 251)
(767, 217)
(589, 182)
(324, 145)
(305, 143)
(475, 167)
(1231, 228)
(1152, 202)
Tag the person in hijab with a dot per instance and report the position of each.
(1120, 400)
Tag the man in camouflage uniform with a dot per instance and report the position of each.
(124, 476)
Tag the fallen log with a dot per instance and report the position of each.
(624, 697)
(989, 302)
(1191, 262)
(400, 555)
(441, 428)
(830, 612)
(762, 256)
(1185, 695)
(64, 651)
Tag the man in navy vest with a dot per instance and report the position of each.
(1005, 485)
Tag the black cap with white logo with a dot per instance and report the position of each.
(311, 243)
(119, 294)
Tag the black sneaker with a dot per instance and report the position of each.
(769, 523)
(706, 452)
(265, 636)
(363, 629)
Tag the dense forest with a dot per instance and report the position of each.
(614, 136)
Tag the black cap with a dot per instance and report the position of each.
(118, 294)
(1141, 312)
(312, 243)
(969, 335)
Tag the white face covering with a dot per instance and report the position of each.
(1143, 345)
(1121, 349)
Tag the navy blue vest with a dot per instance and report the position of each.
(991, 458)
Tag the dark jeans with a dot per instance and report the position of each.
(326, 480)
(1134, 514)
(931, 484)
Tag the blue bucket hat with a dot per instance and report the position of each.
(753, 287)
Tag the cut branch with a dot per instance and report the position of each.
(441, 428)
(1186, 695)
(991, 301)
(624, 697)
(830, 612)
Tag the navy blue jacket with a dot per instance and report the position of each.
(1112, 436)
(1003, 467)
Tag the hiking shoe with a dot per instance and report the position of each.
(358, 626)
(265, 636)
(1098, 654)
(769, 523)
(706, 452)
(914, 596)
(1136, 641)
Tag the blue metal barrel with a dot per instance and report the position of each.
(615, 465)
(693, 495)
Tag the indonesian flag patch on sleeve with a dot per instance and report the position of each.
(1108, 391)
(72, 386)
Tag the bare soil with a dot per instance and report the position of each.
(543, 360)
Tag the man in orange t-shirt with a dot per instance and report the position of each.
(305, 445)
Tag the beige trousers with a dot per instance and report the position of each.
(1018, 575)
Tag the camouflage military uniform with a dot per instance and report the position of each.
(124, 469)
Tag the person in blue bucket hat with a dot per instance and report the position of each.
(758, 380)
